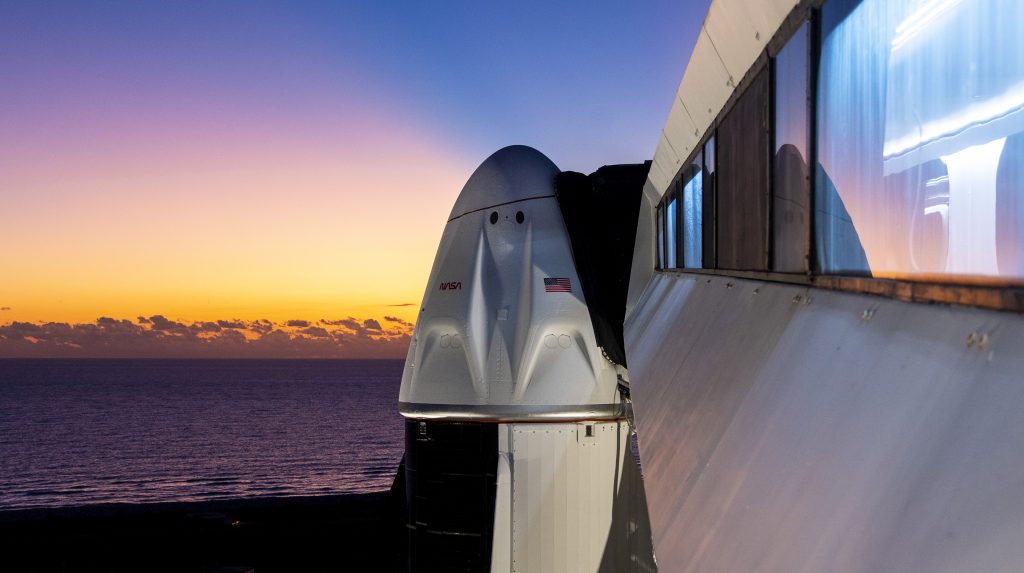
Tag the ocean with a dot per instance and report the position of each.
(79, 432)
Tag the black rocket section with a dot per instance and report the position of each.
(600, 211)
(451, 485)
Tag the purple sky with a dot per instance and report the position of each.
(286, 161)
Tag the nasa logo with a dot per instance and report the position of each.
(454, 285)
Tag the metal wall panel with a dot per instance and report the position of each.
(644, 252)
(706, 83)
(681, 134)
(784, 428)
(737, 40)
(577, 503)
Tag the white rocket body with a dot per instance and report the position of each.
(492, 341)
(517, 447)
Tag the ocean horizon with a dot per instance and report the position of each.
(88, 431)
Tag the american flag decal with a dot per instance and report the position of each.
(553, 284)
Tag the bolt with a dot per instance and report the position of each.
(983, 341)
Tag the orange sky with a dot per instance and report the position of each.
(262, 162)
(228, 225)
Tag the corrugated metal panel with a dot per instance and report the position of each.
(562, 493)
(577, 500)
(792, 429)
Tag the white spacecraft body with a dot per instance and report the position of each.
(517, 445)
(504, 332)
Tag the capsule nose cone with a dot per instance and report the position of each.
(510, 174)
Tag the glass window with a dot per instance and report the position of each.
(920, 126)
(671, 239)
(660, 224)
(708, 193)
(693, 215)
(791, 191)
(742, 181)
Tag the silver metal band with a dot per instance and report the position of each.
(511, 413)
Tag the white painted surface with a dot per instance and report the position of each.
(513, 173)
(576, 501)
(490, 342)
(789, 429)
(501, 547)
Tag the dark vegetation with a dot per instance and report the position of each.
(325, 533)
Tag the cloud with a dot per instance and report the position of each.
(5, 308)
(316, 332)
(231, 324)
(397, 320)
(262, 326)
(210, 327)
(350, 323)
(160, 322)
(159, 337)
(371, 324)
(402, 304)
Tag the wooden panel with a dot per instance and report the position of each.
(742, 174)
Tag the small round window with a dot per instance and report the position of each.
(494, 217)
(520, 217)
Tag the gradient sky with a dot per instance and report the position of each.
(295, 161)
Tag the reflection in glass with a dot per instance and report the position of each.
(660, 223)
(791, 182)
(693, 216)
(708, 197)
(920, 114)
(670, 235)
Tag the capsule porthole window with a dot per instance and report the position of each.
(494, 217)
(520, 217)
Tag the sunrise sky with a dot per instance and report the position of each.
(285, 168)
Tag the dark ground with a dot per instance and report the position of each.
(324, 533)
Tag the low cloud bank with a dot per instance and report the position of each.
(159, 337)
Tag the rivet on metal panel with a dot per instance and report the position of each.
(728, 285)
(971, 339)
(797, 299)
(757, 290)
(808, 299)
(867, 315)
(757, 35)
(983, 342)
